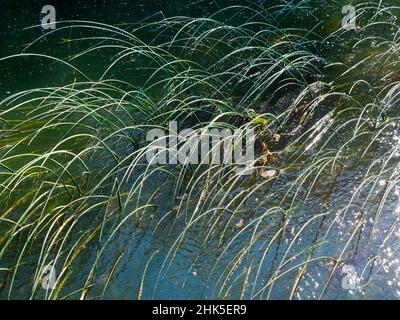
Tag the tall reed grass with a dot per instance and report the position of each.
(75, 192)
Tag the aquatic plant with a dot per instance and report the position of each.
(77, 194)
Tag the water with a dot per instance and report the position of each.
(341, 219)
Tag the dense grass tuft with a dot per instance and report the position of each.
(76, 193)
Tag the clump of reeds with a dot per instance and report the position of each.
(75, 192)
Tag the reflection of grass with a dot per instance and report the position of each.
(73, 183)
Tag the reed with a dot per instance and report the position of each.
(75, 192)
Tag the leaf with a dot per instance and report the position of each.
(268, 174)
(262, 121)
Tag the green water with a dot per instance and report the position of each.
(344, 213)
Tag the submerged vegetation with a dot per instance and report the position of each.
(76, 194)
